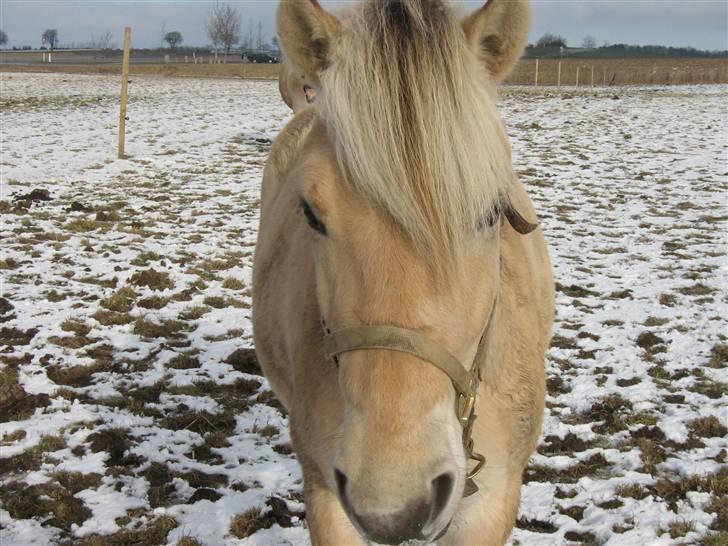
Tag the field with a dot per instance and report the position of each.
(614, 72)
(132, 410)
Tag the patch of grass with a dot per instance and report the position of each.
(632, 491)
(611, 504)
(15, 436)
(121, 301)
(718, 356)
(167, 328)
(70, 342)
(719, 507)
(668, 300)
(585, 539)
(193, 313)
(570, 443)
(143, 258)
(708, 387)
(184, 361)
(32, 458)
(153, 302)
(82, 224)
(199, 479)
(588, 467)
(698, 289)
(673, 490)
(40, 500)
(628, 382)
(680, 528)
(201, 422)
(153, 534)
(561, 342)
(217, 440)
(76, 481)
(151, 278)
(111, 318)
(54, 296)
(610, 410)
(16, 336)
(267, 431)
(714, 539)
(652, 454)
(231, 283)
(246, 523)
(73, 376)
(535, 525)
(648, 339)
(707, 427)
(188, 541)
(218, 302)
(640, 418)
(574, 512)
(77, 326)
(114, 441)
(651, 322)
(96, 281)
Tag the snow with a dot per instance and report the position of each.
(630, 187)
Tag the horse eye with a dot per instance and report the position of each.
(489, 219)
(312, 219)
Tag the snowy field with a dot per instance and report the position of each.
(132, 410)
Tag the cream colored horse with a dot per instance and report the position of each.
(390, 208)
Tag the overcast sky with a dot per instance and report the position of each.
(702, 24)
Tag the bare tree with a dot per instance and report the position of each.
(223, 27)
(589, 42)
(551, 40)
(162, 34)
(3, 37)
(249, 36)
(50, 37)
(173, 38)
(259, 37)
(104, 41)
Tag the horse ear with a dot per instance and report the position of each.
(306, 33)
(498, 32)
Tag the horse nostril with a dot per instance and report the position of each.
(341, 480)
(442, 487)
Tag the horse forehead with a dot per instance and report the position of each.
(319, 157)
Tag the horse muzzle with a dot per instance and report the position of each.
(419, 518)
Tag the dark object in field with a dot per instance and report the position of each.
(14, 336)
(15, 403)
(35, 195)
(76, 206)
(204, 493)
(6, 309)
(244, 360)
(258, 58)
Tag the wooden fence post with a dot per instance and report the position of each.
(577, 76)
(592, 75)
(558, 77)
(124, 91)
(536, 79)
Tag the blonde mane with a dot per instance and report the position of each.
(411, 110)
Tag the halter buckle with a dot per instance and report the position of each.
(466, 407)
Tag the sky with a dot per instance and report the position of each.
(702, 24)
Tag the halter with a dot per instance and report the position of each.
(464, 380)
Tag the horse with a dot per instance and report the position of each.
(403, 296)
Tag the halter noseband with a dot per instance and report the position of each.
(464, 380)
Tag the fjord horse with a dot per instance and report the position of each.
(401, 285)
